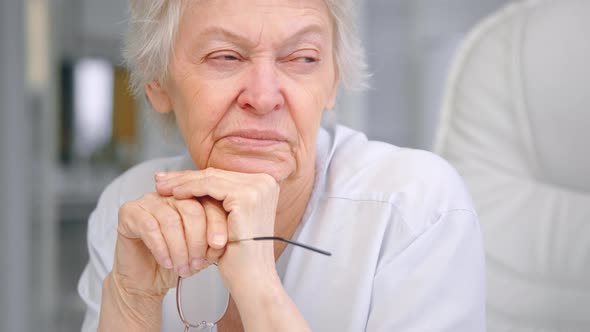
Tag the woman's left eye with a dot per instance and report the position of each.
(227, 58)
(303, 61)
(306, 59)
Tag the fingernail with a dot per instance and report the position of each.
(168, 263)
(183, 271)
(160, 176)
(218, 239)
(198, 264)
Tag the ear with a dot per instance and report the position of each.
(158, 97)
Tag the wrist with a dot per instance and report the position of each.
(248, 263)
(130, 312)
(258, 291)
(258, 286)
(264, 305)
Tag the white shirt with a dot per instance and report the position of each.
(406, 247)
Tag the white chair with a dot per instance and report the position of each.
(516, 124)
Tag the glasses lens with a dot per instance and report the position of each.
(203, 298)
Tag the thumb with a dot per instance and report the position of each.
(217, 230)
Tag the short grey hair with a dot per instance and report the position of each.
(152, 32)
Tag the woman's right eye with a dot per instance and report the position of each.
(224, 56)
(224, 60)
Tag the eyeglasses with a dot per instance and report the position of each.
(213, 318)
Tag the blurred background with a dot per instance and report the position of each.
(68, 126)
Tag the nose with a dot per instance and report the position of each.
(262, 92)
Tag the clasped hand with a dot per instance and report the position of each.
(186, 225)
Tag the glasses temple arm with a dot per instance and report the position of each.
(305, 246)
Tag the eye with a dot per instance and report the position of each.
(302, 61)
(304, 56)
(306, 59)
(227, 58)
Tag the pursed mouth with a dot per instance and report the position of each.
(257, 135)
(255, 138)
(253, 142)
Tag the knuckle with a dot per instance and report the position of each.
(170, 220)
(123, 229)
(125, 217)
(191, 208)
(127, 209)
(150, 226)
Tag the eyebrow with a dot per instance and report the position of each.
(221, 33)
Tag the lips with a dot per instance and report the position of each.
(255, 138)
(267, 135)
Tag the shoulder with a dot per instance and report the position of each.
(419, 184)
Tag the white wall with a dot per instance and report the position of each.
(15, 152)
(27, 150)
(91, 27)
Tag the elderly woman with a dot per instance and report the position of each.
(247, 82)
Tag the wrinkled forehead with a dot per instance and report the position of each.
(300, 7)
(258, 18)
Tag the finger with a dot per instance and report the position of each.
(216, 223)
(167, 186)
(165, 175)
(230, 188)
(213, 255)
(211, 182)
(137, 223)
(217, 230)
(195, 230)
(172, 229)
(165, 181)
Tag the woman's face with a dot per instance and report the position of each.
(248, 82)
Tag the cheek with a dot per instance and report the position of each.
(306, 113)
(315, 92)
(309, 105)
(199, 113)
(203, 104)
